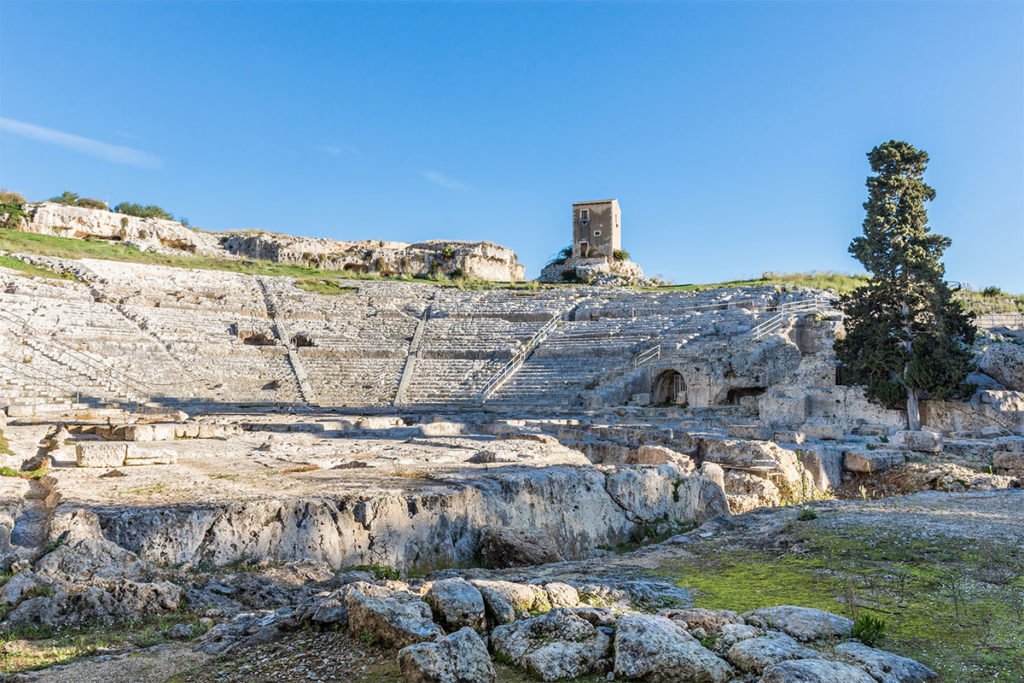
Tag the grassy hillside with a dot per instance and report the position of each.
(310, 279)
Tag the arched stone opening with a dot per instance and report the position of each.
(669, 387)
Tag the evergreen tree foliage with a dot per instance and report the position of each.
(906, 336)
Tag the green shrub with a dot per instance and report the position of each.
(868, 629)
(992, 291)
(90, 203)
(561, 257)
(380, 571)
(12, 208)
(807, 515)
(8, 197)
(73, 199)
(620, 255)
(140, 211)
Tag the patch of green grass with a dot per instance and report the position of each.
(32, 270)
(840, 282)
(955, 605)
(22, 474)
(39, 647)
(323, 286)
(307, 278)
(380, 571)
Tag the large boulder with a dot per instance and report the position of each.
(655, 648)
(459, 658)
(886, 667)
(389, 621)
(753, 655)
(557, 645)
(505, 601)
(1005, 363)
(814, 671)
(456, 604)
(803, 623)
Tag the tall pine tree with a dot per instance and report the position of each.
(906, 337)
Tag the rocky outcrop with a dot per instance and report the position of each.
(430, 527)
(1005, 363)
(598, 271)
(478, 260)
(50, 218)
(437, 258)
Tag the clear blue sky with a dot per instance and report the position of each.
(732, 133)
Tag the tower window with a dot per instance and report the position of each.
(584, 214)
(597, 233)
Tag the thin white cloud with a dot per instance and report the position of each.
(441, 180)
(343, 150)
(115, 154)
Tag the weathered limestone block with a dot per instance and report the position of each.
(101, 453)
(656, 648)
(556, 645)
(658, 455)
(886, 666)
(825, 431)
(758, 432)
(562, 594)
(920, 441)
(803, 623)
(789, 436)
(149, 455)
(389, 621)
(1005, 363)
(506, 601)
(146, 432)
(754, 655)
(456, 604)
(814, 671)
(824, 464)
(461, 657)
(1008, 463)
(872, 461)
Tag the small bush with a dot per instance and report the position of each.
(620, 255)
(806, 515)
(381, 571)
(11, 208)
(73, 199)
(8, 197)
(868, 629)
(992, 291)
(90, 203)
(140, 211)
(561, 257)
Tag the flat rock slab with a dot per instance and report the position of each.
(873, 461)
(101, 453)
(803, 623)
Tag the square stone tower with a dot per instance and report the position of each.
(596, 229)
